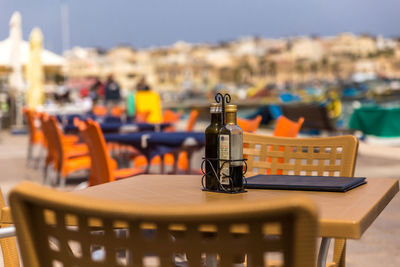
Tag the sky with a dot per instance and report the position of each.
(145, 23)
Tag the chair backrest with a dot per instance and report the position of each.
(42, 214)
(47, 135)
(30, 120)
(8, 245)
(141, 117)
(55, 141)
(249, 125)
(325, 156)
(149, 101)
(192, 120)
(100, 170)
(117, 111)
(99, 110)
(287, 128)
(171, 117)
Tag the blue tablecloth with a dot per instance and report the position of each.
(115, 127)
(69, 119)
(158, 143)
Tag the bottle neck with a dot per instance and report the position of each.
(216, 118)
(230, 118)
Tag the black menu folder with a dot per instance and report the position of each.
(309, 183)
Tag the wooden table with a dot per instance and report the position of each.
(341, 215)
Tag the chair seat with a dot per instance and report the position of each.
(125, 173)
(37, 137)
(76, 150)
(69, 138)
(76, 164)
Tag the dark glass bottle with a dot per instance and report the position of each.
(231, 148)
(211, 133)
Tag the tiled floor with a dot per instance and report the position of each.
(379, 246)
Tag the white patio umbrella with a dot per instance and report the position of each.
(34, 71)
(16, 81)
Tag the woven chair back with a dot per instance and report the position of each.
(325, 156)
(56, 227)
(8, 245)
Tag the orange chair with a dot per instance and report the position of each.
(35, 135)
(183, 160)
(171, 117)
(99, 111)
(249, 125)
(141, 116)
(192, 120)
(117, 111)
(285, 128)
(103, 168)
(66, 160)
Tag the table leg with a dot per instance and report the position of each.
(176, 157)
(148, 165)
(323, 252)
(189, 158)
(339, 252)
(162, 164)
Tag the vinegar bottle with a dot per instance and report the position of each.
(230, 146)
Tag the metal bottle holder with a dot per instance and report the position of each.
(216, 174)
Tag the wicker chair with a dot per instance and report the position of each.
(8, 244)
(329, 156)
(42, 217)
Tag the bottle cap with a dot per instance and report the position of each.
(231, 108)
(215, 108)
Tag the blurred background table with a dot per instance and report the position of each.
(379, 121)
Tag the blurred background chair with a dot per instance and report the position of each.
(99, 111)
(117, 111)
(191, 120)
(329, 156)
(71, 149)
(171, 117)
(35, 226)
(285, 127)
(65, 160)
(250, 125)
(141, 117)
(35, 135)
(103, 168)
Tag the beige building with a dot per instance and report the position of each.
(305, 48)
(348, 44)
(246, 61)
